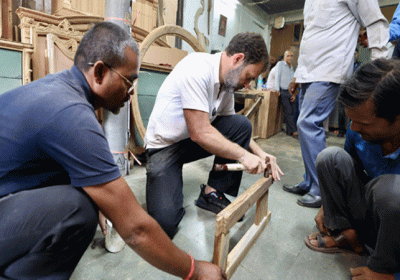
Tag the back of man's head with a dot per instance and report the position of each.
(105, 42)
(252, 45)
(378, 81)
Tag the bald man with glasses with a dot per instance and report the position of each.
(57, 171)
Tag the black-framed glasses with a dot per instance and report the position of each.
(131, 84)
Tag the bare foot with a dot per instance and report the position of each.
(364, 273)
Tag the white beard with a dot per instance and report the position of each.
(231, 79)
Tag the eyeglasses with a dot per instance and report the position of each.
(131, 85)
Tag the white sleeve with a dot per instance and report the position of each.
(377, 27)
(193, 86)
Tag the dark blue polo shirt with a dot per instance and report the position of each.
(49, 135)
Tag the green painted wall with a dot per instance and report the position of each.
(148, 85)
(10, 69)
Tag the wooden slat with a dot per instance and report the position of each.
(261, 208)
(254, 108)
(227, 218)
(221, 249)
(241, 249)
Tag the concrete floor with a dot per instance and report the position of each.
(279, 253)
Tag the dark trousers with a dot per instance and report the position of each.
(289, 111)
(44, 232)
(164, 195)
(343, 120)
(371, 207)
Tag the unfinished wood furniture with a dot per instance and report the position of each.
(154, 35)
(227, 218)
(77, 8)
(251, 110)
(60, 53)
(263, 110)
(36, 25)
(6, 27)
(200, 36)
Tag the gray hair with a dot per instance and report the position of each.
(105, 42)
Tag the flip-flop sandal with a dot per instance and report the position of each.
(343, 245)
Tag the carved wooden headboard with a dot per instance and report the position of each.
(66, 33)
(59, 53)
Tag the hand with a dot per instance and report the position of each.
(293, 86)
(102, 223)
(253, 164)
(319, 220)
(364, 273)
(293, 98)
(207, 271)
(275, 170)
(363, 38)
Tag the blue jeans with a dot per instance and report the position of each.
(164, 185)
(44, 232)
(317, 101)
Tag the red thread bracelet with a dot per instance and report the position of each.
(191, 269)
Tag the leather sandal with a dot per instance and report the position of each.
(343, 245)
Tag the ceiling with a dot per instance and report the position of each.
(276, 6)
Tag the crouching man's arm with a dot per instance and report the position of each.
(143, 234)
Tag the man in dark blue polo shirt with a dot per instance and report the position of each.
(360, 185)
(57, 171)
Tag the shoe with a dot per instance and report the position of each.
(295, 189)
(310, 200)
(214, 201)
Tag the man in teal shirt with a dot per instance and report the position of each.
(360, 185)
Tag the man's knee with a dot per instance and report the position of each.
(64, 223)
(168, 219)
(234, 127)
(86, 211)
(243, 124)
(384, 193)
(331, 156)
(78, 219)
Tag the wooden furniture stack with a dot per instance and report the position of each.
(263, 110)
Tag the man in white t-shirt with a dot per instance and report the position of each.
(193, 118)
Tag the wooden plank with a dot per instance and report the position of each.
(241, 249)
(1, 19)
(254, 108)
(221, 249)
(227, 218)
(261, 208)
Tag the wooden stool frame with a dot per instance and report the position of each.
(227, 218)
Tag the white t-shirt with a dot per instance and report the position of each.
(193, 84)
(271, 79)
